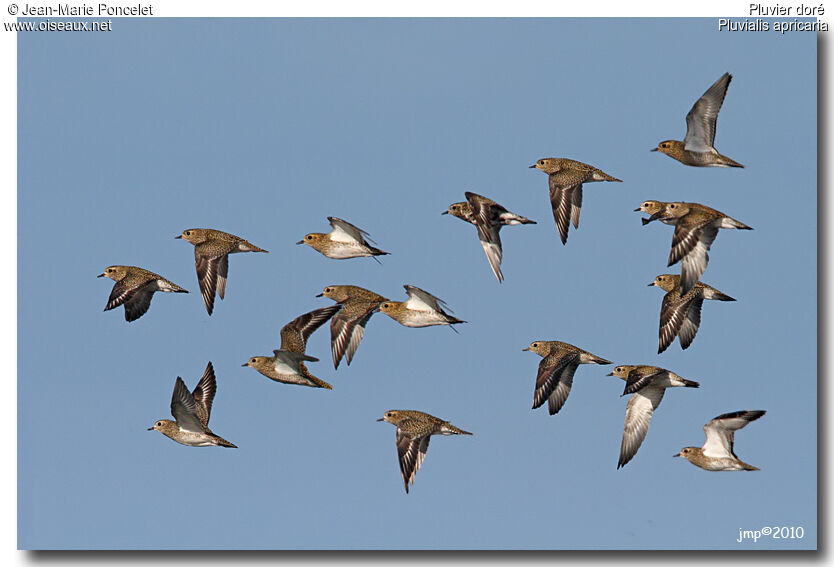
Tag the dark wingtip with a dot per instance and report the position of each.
(645, 221)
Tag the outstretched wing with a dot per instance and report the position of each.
(204, 394)
(486, 214)
(343, 231)
(690, 243)
(294, 334)
(411, 451)
(639, 412)
(566, 199)
(554, 381)
(639, 378)
(702, 118)
(138, 300)
(673, 313)
(421, 300)
(691, 322)
(184, 409)
(720, 432)
(346, 331)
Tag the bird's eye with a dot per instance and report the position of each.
(309, 237)
(159, 424)
(188, 233)
(535, 345)
(541, 162)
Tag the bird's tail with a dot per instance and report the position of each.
(747, 467)
(315, 382)
(320, 383)
(733, 223)
(449, 429)
(712, 293)
(223, 443)
(165, 285)
(512, 219)
(727, 162)
(602, 176)
(249, 247)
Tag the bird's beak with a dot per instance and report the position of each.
(247, 364)
(522, 350)
(445, 213)
(654, 150)
(610, 374)
(532, 166)
(300, 242)
(381, 419)
(637, 210)
(100, 276)
(151, 429)
(651, 284)
(320, 295)
(678, 455)
(178, 236)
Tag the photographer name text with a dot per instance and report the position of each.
(30, 10)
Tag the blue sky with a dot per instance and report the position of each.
(263, 128)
